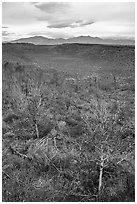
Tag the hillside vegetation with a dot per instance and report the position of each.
(68, 123)
(83, 59)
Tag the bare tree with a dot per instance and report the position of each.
(105, 136)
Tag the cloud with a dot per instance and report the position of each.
(33, 3)
(71, 24)
(81, 23)
(53, 7)
(6, 33)
(84, 23)
(60, 24)
(4, 27)
(53, 12)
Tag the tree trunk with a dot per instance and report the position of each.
(101, 174)
(37, 131)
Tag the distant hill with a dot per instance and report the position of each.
(83, 59)
(40, 40)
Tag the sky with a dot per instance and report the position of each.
(68, 19)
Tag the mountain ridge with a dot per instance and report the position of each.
(40, 40)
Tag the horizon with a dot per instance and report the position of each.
(104, 20)
(80, 36)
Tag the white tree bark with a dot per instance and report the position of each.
(37, 131)
(101, 173)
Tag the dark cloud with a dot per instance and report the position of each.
(53, 7)
(61, 24)
(71, 24)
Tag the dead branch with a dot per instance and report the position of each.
(18, 153)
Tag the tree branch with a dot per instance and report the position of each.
(18, 153)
